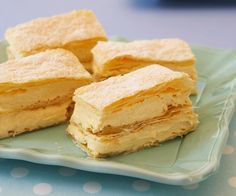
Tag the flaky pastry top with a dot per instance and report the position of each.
(54, 31)
(163, 50)
(48, 65)
(106, 93)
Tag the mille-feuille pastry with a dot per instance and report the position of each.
(36, 91)
(114, 58)
(77, 31)
(126, 113)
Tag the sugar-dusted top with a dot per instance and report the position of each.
(163, 50)
(55, 31)
(51, 64)
(103, 94)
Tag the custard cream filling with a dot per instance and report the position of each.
(129, 140)
(36, 96)
(17, 122)
(94, 120)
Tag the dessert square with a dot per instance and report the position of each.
(36, 91)
(77, 31)
(126, 113)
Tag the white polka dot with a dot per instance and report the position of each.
(141, 186)
(64, 171)
(191, 187)
(228, 149)
(232, 181)
(19, 172)
(42, 189)
(92, 187)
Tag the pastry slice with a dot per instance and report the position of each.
(114, 58)
(36, 91)
(77, 31)
(126, 113)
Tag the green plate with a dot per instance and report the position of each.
(181, 161)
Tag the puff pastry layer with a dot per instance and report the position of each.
(126, 113)
(114, 58)
(77, 31)
(33, 88)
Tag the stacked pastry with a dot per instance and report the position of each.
(125, 113)
(114, 58)
(78, 31)
(36, 91)
(143, 106)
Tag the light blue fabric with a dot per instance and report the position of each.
(23, 178)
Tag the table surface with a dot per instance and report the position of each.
(201, 23)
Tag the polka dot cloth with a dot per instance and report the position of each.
(42, 189)
(92, 187)
(23, 178)
(232, 182)
(191, 187)
(64, 171)
(228, 149)
(141, 186)
(19, 172)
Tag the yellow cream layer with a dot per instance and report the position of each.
(89, 118)
(131, 140)
(14, 123)
(35, 95)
